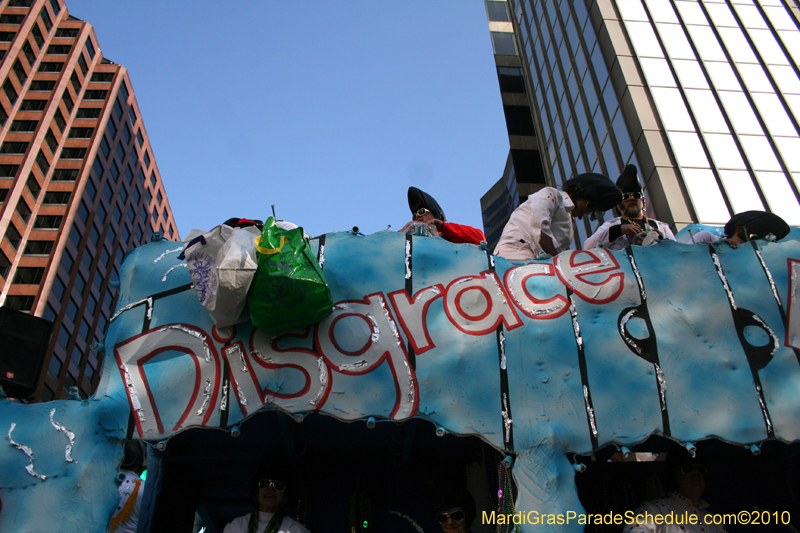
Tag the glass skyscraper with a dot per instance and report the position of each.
(703, 96)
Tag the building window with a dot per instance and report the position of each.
(42, 85)
(68, 103)
(126, 134)
(65, 174)
(107, 191)
(504, 43)
(20, 3)
(28, 275)
(3, 115)
(27, 49)
(111, 128)
(24, 126)
(8, 171)
(20, 303)
(116, 112)
(13, 236)
(19, 70)
(47, 222)
(76, 83)
(37, 36)
(9, 147)
(497, 11)
(104, 147)
(6, 36)
(63, 335)
(50, 66)
(73, 153)
(11, 92)
(3, 195)
(56, 197)
(67, 32)
(114, 171)
(139, 138)
(81, 133)
(33, 105)
(88, 112)
(42, 163)
(132, 116)
(56, 6)
(11, 19)
(38, 248)
(95, 94)
(121, 152)
(146, 159)
(103, 77)
(82, 63)
(48, 24)
(58, 49)
(51, 141)
(90, 49)
(60, 120)
(33, 186)
(5, 265)
(23, 210)
(75, 238)
(91, 191)
(58, 288)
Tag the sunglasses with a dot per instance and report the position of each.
(457, 516)
(634, 195)
(421, 212)
(280, 486)
(688, 469)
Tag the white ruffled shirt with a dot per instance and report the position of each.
(288, 525)
(547, 211)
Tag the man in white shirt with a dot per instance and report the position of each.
(633, 226)
(747, 226)
(542, 225)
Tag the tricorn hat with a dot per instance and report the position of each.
(596, 188)
(757, 225)
(418, 199)
(628, 181)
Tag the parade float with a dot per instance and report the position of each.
(435, 358)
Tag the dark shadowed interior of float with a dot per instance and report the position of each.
(355, 478)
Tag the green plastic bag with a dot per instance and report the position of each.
(289, 290)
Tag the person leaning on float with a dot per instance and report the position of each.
(747, 226)
(632, 226)
(542, 225)
(455, 511)
(271, 498)
(426, 210)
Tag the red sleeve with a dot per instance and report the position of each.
(461, 234)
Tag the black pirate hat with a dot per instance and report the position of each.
(628, 181)
(598, 189)
(757, 225)
(418, 199)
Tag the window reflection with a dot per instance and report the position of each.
(786, 78)
(672, 109)
(687, 149)
(741, 191)
(724, 151)
(759, 152)
(750, 16)
(754, 77)
(779, 18)
(780, 196)
(690, 74)
(790, 151)
(710, 51)
(644, 39)
(722, 76)
(771, 108)
(770, 52)
(737, 45)
(706, 110)
(631, 10)
(721, 15)
(661, 11)
(675, 41)
(691, 13)
(740, 113)
(706, 196)
(792, 41)
(657, 72)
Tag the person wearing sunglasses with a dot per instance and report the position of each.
(455, 511)
(425, 209)
(747, 226)
(686, 475)
(271, 498)
(542, 225)
(632, 226)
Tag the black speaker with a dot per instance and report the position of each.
(23, 345)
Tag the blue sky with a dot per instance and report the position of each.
(329, 110)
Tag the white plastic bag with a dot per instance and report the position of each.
(222, 264)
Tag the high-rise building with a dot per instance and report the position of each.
(703, 96)
(79, 186)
